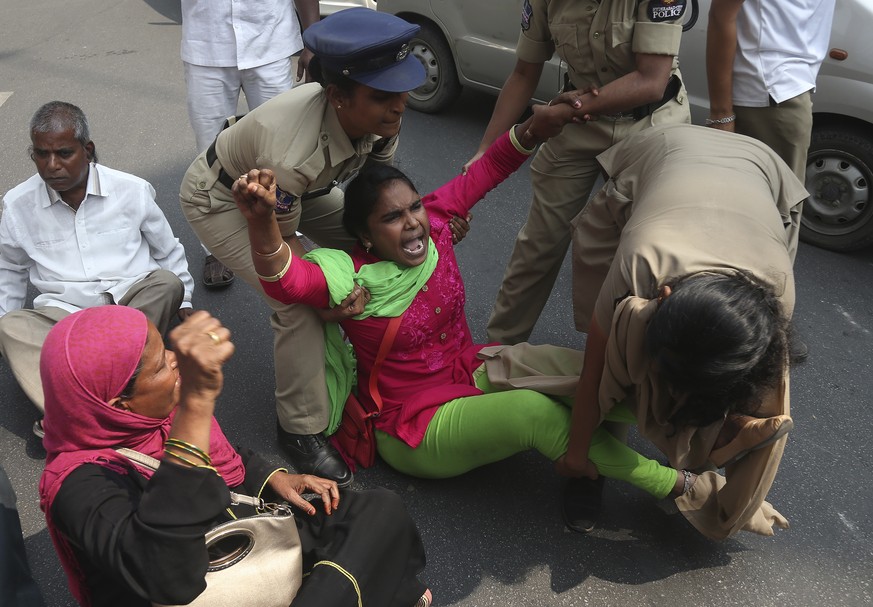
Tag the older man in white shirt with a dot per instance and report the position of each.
(85, 235)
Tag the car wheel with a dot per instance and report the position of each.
(441, 86)
(839, 177)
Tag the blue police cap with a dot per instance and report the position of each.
(369, 47)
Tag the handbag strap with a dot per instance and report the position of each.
(384, 348)
(151, 463)
(146, 461)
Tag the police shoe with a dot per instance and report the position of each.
(581, 502)
(313, 454)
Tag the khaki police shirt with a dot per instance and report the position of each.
(598, 39)
(684, 199)
(298, 136)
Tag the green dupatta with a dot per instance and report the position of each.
(392, 288)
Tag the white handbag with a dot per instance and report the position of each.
(255, 561)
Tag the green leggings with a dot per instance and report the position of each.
(473, 431)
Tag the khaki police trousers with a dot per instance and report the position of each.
(302, 403)
(563, 173)
(786, 127)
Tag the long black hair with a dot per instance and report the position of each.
(363, 193)
(719, 341)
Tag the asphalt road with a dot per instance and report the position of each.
(494, 536)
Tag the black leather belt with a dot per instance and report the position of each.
(672, 89)
(223, 178)
(227, 181)
(642, 111)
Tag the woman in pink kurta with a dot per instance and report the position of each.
(441, 415)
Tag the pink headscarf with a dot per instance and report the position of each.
(87, 360)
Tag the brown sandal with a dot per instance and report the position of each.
(757, 433)
(215, 274)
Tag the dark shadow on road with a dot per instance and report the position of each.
(171, 9)
(507, 518)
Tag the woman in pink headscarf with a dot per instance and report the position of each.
(127, 536)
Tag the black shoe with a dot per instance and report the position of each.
(798, 351)
(580, 504)
(313, 454)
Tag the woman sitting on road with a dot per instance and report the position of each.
(313, 138)
(127, 536)
(442, 414)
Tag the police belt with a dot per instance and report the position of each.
(642, 111)
(227, 181)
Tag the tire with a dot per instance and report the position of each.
(441, 86)
(839, 177)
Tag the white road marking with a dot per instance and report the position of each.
(4, 97)
(852, 527)
(851, 320)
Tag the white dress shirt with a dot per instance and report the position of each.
(239, 33)
(780, 47)
(90, 257)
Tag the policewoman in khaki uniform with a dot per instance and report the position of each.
(627, 50)
(685, 203)
(314, 138)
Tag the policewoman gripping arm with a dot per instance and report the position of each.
(313, 137)
(623, 77)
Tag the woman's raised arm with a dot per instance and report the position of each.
(202, 346)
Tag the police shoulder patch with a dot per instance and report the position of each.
(666, 10)
(526, 12)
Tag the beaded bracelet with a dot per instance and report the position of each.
(725, 120)
(689, 480)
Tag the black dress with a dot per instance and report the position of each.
(140, 541)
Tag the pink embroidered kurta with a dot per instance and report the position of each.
(433, 356)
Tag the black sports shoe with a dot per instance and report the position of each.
(313, 454)
(580, 504)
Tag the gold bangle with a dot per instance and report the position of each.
(278, 276)
(190, 463)
(192, 449)
(517, 144)
(276, 252)
(180, 458)
(210, 468)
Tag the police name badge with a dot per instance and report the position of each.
(284, 201)
(526, 12)
(666, 10)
